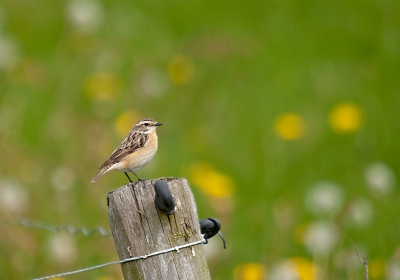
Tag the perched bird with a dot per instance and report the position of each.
(135, 151)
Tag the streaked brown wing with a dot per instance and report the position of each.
(130, 144)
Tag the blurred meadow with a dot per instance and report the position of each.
(283, 116)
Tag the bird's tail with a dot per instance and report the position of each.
(104, 169)
(96, 178)
(101, 173)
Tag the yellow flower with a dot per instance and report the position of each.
(103, 86)
(250, 271)
(290, 126)
(377, 268)
(125, 122)
(210, 180)
(345, 117)
(299, 268)
(306, 269)
(181, 69)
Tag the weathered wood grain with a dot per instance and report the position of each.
(139, 228)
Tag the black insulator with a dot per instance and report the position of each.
(209, 227)
(164, 199)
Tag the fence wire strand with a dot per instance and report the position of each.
(177, 248)
(55, 229)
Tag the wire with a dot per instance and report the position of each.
(177, 248)
(43, 226)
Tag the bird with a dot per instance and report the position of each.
(135, 151)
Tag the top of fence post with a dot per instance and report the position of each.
(140, 228)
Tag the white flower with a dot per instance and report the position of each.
(380, 178)
(86, 15)
(321, 237)
(284, 271)
(324, 198)
(63, 248)
(13, 196)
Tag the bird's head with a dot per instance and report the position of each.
(146, 125)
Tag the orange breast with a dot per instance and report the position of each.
(140, 158)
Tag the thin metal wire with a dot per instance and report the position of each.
(43, 226)
(223, 239)
(177, 248)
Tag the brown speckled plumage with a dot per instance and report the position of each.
(135, 151)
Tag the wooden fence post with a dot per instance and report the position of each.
(140, 228)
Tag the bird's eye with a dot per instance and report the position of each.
(146, 124)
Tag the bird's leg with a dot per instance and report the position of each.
(139, 179)
(128, 177)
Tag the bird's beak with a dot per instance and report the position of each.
(158, 124)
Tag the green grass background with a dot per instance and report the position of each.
(252, 61)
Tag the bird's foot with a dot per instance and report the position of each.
(138, 178)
